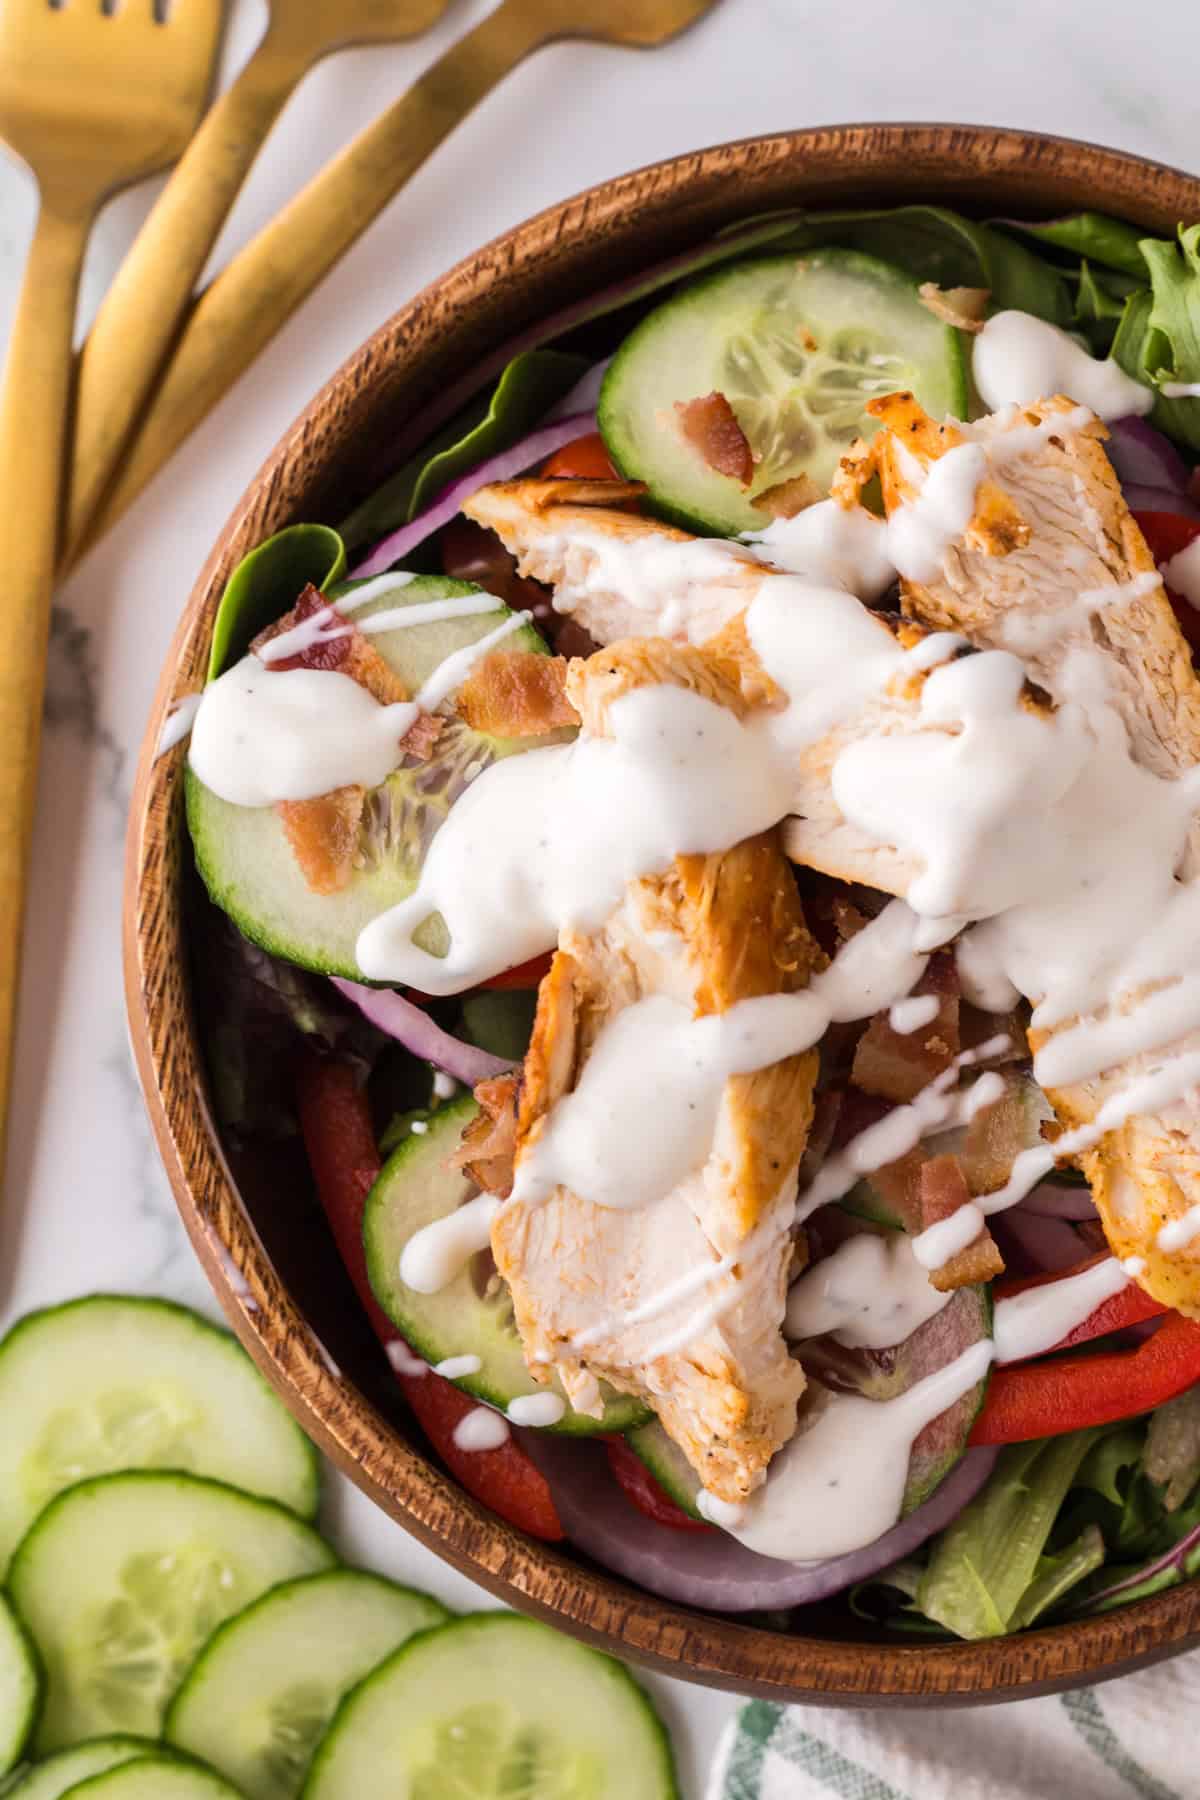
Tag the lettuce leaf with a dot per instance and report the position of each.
(1055, 1575)
(1092, 236)
(268, 582)
(984, 1565)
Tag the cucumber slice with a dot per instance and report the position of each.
(473, 1316)
(20, 1687)
(259, 1696)
(123, 1578)
(57, 1775)
(243, 854)
(155, 1778)
(797, 345)
(109, 1383)
(668, 1465)
(493, 1706)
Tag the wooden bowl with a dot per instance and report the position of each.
(256, 1229)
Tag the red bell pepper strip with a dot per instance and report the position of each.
(1166, 534)
(1046, 1399)
(1131, 1306)
(639, 1486)
(335, 1122)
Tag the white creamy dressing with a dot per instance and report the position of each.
(551, 839)
(831, 547)
(1017, 359)
(481, 1429)
(444, 1086)
(538, 1410)
(1177, 1234)
(403, 1360)
(1032, 1322)
(455, 1367)
(909, 1015)
(441, 1250)
(1182, 573)
(839, 1483)
(870, 1293)
(178, 723)
(1180, 390)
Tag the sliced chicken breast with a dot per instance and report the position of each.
(589, 1282)
(1052, 561)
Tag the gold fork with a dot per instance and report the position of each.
(141, 314)
(241, 310)
(91, 102)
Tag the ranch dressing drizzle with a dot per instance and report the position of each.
(178, 723)
(870, 1293)
(481, 1429)
(403, 1360)
(453, 1368)
(536, 1409)
(839, 1483)
(1180, 390)
(1017, 359)
(441, 1250)
(321, 627)
(1031, 1323)
(1182, 573)
(907, 1016)
(551, 838)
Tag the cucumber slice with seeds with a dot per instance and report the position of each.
(243, 854)
(155, 1778)
(258, 1698)
(109, 1383)
(473, 1315)
(20, 1687)
(494, 1707)
(59, 1774)
(797, 345)
(123, 1578)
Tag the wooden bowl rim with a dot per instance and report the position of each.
(598, 1608)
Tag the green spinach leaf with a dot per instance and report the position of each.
(268, 582)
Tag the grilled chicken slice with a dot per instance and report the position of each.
(709, 932)
(1052, 526)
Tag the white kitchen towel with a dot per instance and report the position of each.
(1132, 1739)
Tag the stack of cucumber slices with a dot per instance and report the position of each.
(174, 1627)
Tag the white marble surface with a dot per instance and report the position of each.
(85, 1203)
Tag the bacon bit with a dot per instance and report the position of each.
(943, 1189)
(709, 424)
(787, 498)
(806, 338)
(323, 834)
(897, 1066)
(350, 653)
(517, 693)
(961, 306)
(422, 735)
(489, 1142)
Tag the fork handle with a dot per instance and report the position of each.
(139, 320)
(240, 312)
(33, 413)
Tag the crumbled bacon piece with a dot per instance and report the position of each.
(517, 693)
(323, 834)
(489, 1142)
(942, 1190)
(350, 652)
(422, 735)
(709, 424)
(898, 1065)
(787, 498)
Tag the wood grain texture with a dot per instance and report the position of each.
(264, 1248)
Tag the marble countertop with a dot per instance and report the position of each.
(86, 1205)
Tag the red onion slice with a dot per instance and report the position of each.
(1141, 499)
(413, 1028)
(1143, 457)
(712, 1569)
(531, 449)
(1056, 1200)
(1034, 1244)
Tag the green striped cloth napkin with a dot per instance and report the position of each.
(1132, 1737)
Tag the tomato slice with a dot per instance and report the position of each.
(1167, 534)
(639, 1485)
(335, 1122)
(584, 458)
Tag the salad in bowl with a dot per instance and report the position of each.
(704, 858)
